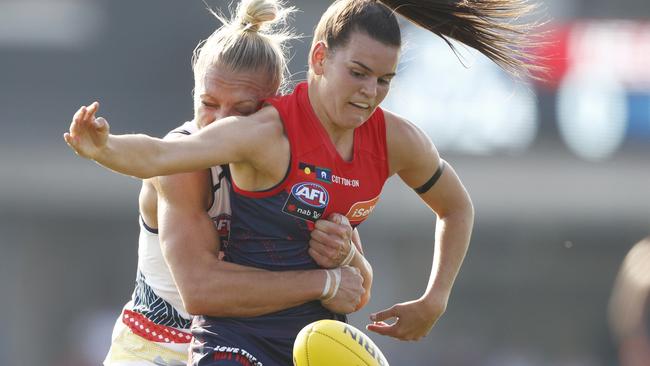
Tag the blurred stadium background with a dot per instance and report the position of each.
(559, 174)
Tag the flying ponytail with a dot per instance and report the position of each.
(493, 27)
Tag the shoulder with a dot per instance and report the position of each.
(269, 144)
(407, 143)
(267, 120)
(403, 131)
(259, 130)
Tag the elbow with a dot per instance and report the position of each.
(194, 308)
(461, 213)
(193, 292)
(142, 175)
(144, 171)
(465, 210)
(470, 211)
(192, 301)
(147, 168)
(196, 302)
(199, 300)
(146, 175)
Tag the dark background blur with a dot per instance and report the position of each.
(558, 173)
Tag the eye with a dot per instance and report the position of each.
(209, 105)
(357, 74)
(245, 112)
(384, 81)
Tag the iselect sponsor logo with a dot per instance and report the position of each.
(361, 210)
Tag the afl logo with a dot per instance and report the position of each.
(311, 194)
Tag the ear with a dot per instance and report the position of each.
(317, 57)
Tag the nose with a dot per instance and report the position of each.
(370, 88)
(216, 115)
(222, 113)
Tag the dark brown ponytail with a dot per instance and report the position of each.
(493, 27)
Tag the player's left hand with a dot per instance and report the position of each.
(413, 319)
(331, 241)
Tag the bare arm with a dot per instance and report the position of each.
(359, 261)
(629, 304)
(210, 286)
(414, 158)
(143, 156)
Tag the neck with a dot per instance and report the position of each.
(338, 135)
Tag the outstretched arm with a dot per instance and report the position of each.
(143, 156)
(414, 158)
(210, 286)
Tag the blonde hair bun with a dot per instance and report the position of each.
(252, 39)
(252, 14)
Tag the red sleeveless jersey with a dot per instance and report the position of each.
(319, 181)
(270, 229)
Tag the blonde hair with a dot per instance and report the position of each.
(251, 40)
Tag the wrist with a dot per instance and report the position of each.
(350, 256)
(331, 285)
(435, 301)
(103, 152)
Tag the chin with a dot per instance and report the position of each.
(357, 122)
(364, 118)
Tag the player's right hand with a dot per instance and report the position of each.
(331, 241)
(88, 135)
(349, 294)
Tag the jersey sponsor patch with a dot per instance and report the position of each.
(324, 175)
(307, 201)
(306, 169)
(346, 182)
(313, 171)
(361, 210)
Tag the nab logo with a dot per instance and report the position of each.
(311, 194)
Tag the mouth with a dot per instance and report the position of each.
(363, 106)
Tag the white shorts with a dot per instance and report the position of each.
(131, 349)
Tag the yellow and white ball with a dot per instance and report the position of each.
(333, 343)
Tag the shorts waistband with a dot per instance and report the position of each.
(145, 328)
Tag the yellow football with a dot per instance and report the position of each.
(333, 343)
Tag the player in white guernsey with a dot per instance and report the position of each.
(154, 327)
(183, 217)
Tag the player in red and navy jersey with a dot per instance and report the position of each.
(331, 126)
